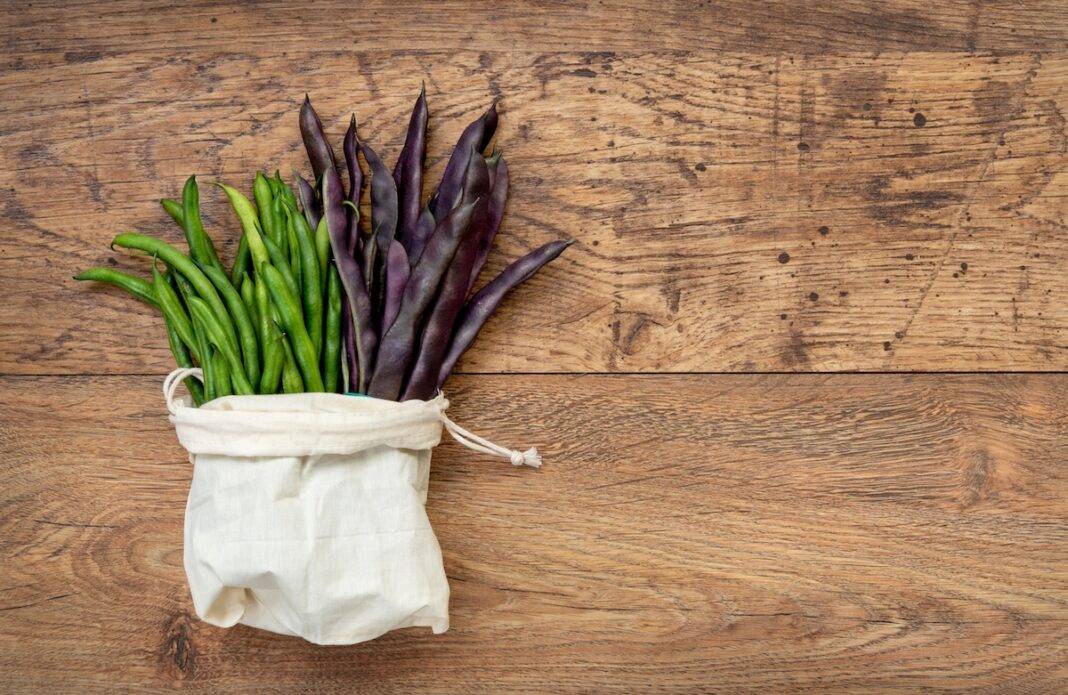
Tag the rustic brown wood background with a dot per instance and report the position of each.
(801, 382)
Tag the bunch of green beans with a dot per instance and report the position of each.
(269, 323)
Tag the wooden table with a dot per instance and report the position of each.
(800, 383)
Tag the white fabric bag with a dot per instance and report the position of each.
(306, 512)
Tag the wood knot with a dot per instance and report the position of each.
(977, 480)
(177, 652)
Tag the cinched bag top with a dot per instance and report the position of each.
(306, 424)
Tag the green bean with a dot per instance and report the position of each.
(246, 214)
(278, 189)
(200, 246)
(310, 287)
(207, 363)
(250, 351)
(273, 356)
(291, 381)
(173, 313)
(277, 186)
(178, 283)
(290, 315)
(181, 263)
(223, 374)
(248, 297)
(280, 261)
(174, 209)
(322, 249)
(261, 191)
(185, 290)
(181, 358)
(278, 211)
(293, 246)
(178, 348)
(286, 191)
(240, 267)
(273, 182)
(282, 242)
(215, 335)
(140, 289)
(331, 362)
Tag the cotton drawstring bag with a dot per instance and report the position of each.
(306, 512)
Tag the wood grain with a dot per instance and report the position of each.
(50, 28)
(688, 533)
(733, 212)
(753, 187)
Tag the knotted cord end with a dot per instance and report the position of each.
(530, 457)
(472, 441)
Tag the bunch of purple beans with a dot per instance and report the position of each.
(318, 299)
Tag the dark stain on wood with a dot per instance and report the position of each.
(177, 651)
(901, 209)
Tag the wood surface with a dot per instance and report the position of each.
(543, 25)
(761, 193)
(732, 211)
(687, 533)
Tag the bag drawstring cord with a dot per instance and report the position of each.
(472, 441)
(173, 380)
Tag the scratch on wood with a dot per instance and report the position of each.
(72, 524)
(34, 603)
(963, 213)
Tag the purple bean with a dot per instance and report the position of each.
(397, 272)
(348, 339)
(383, 200)
(408, 173)
(352, 140)
(313, 212)
(487, 224)
(477, 135)
(424, 227)
(398, 341)
(320, 154)
(365, 338)
(384, 223)
(486, 301)
(422, 382)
